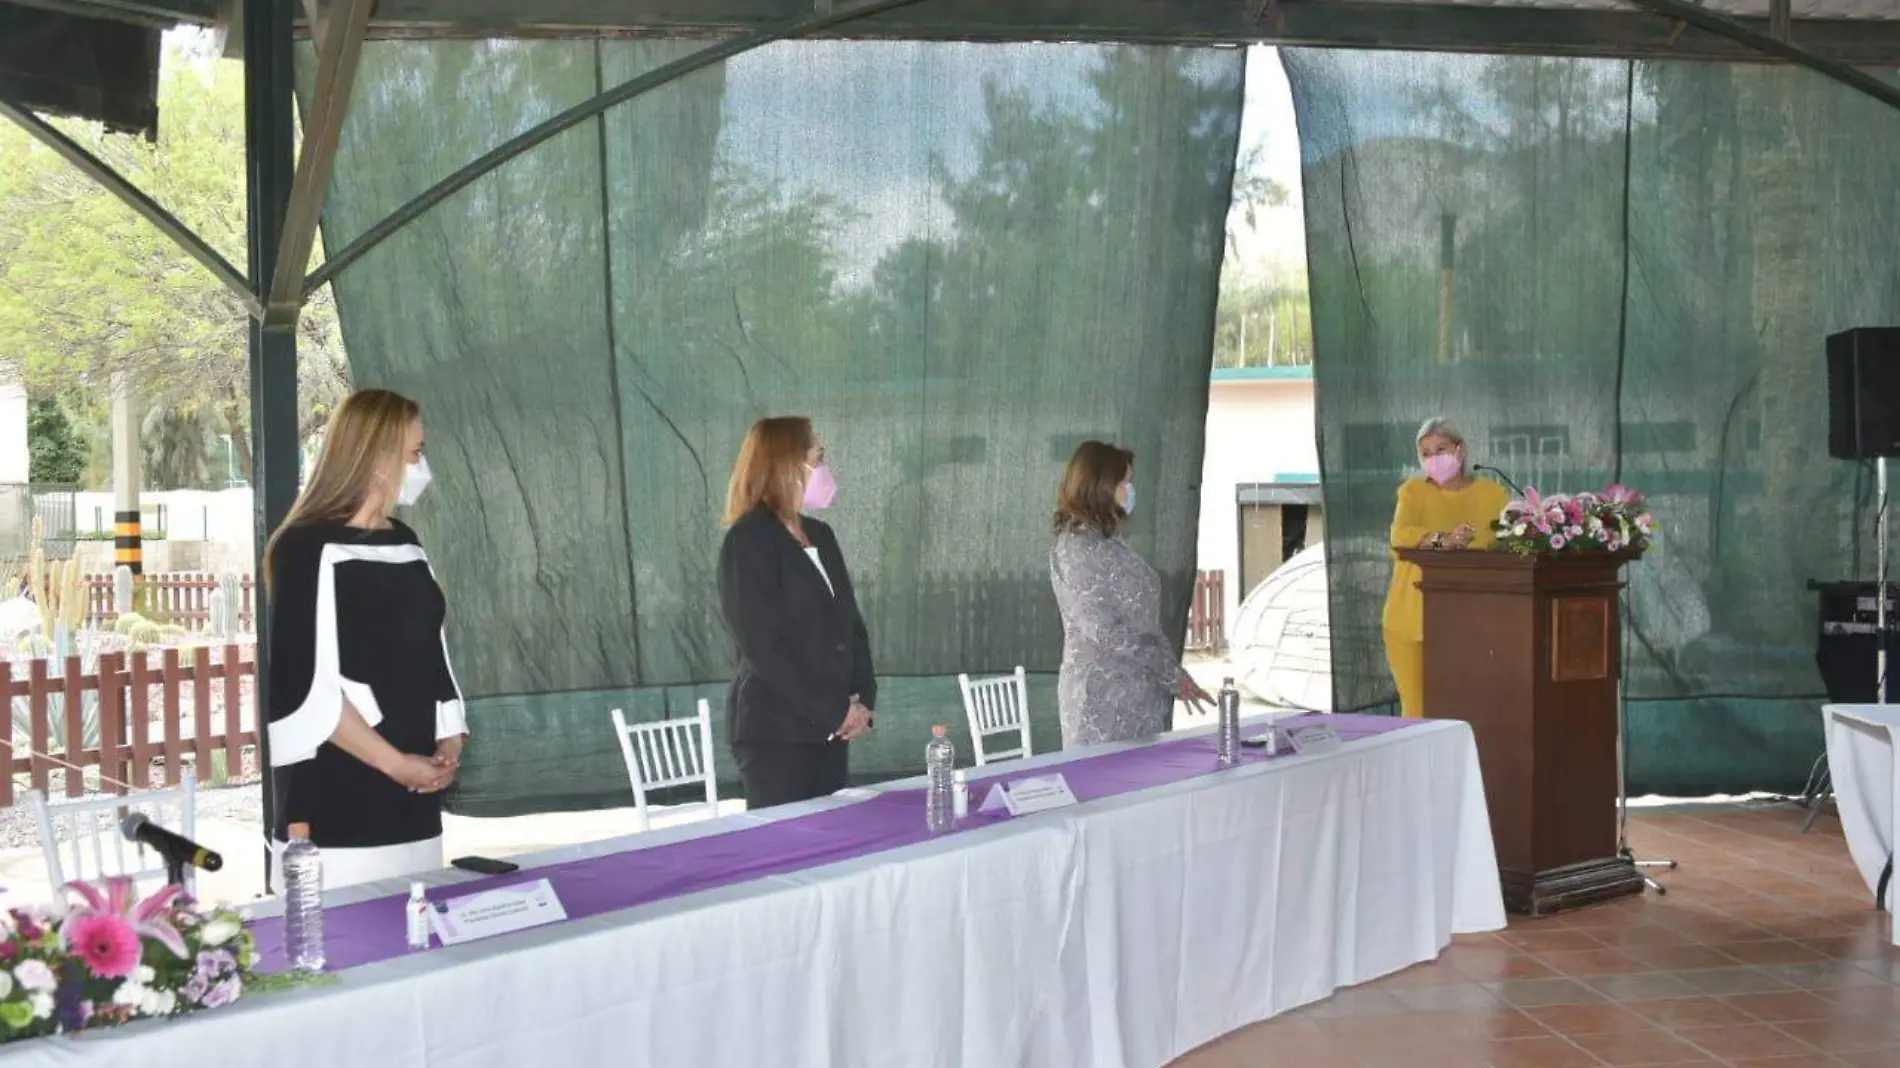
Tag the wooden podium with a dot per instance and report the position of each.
(1527, 649)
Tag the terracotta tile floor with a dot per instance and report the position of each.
(1767, 951)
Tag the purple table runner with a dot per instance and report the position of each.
(372, 931)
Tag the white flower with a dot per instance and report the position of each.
(144, 974)
(129, 993)
(164, 1003)
(219, 931)
(36, 976)
(42, 1005)
(1521, 529)
(6, 984)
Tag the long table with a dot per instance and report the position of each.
(1861, 751)
(1174, 903)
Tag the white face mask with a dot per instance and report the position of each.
(415, 479)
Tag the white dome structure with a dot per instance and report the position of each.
(1282, 638)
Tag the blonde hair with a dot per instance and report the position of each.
(769, 470)
(1441, 427)
(363, 442)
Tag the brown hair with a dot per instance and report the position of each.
(363, 441)
(769, 470)
(1087, 498)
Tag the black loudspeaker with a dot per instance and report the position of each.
(1863, 393)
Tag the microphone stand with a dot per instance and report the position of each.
(1622, 765)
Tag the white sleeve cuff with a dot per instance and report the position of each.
(295, 738)
(451, 719)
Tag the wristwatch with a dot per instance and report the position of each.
(1438, 541)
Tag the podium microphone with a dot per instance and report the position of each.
(177, 850)
(1502, 477)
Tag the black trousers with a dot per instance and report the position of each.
(779, 774)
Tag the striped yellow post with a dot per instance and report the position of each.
(127, 545)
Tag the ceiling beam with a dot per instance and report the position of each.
(336, 74)
(141, 12)
(1419, 26)
(1608, 32)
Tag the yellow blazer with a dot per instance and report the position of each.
(1423, 508)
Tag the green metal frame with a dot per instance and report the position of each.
(524, 142)
(121, 187)
(270, 136)
(1778, 46)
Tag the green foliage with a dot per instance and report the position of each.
(89, 291)
(56, 448)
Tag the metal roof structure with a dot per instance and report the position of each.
(1863, 32)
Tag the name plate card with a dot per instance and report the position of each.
(495, 912)
(1025, 796)
(1313, 741)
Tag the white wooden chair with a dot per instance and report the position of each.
(997, 705)
(671, 752)
(94, 849)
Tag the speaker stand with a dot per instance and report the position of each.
(1880, 582)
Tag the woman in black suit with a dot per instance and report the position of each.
(804, 687)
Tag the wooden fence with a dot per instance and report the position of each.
(1207, 616)
(182, 598)
(128, 717)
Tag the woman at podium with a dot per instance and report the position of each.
(1443, 507)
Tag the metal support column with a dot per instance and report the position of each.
(270, 166)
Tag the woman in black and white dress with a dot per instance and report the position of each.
(366, 719)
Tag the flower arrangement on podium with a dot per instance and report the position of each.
(103, 957)
(1614, 520)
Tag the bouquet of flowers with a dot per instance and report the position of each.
(109, 958)
(1615, 520)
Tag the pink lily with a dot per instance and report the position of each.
(1617, 493)
(151, 918)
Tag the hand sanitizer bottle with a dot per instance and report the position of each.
(418, 915)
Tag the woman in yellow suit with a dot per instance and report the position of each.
(1445, 508)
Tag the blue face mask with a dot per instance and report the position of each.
(1128, 508)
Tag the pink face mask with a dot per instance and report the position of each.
(1443, 468)
(820, 488)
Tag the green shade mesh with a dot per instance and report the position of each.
(1645, 259)
(960, 260)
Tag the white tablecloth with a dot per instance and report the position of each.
(1121, 932)
(1861, 746)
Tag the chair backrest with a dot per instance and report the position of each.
(670, 752)
(81, 839)
(997, 705)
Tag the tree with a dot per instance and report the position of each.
(88, 289)
(56, 449)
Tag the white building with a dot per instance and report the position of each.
(1260, 500)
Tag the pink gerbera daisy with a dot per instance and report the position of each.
(107, 943)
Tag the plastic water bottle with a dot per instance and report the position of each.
(940, 763)
(1229, 728)
(303, 901)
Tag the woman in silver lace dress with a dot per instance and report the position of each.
(1119, 674)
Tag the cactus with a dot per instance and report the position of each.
(57, 588)
(227, 606)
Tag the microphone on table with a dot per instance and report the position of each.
(177, 850)
(1502, 477)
